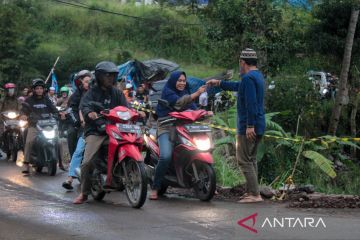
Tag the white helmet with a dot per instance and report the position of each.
(128, 86)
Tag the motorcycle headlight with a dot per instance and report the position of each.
(12, 115)
(124, 115)
(22, 123)
(49, 134)
(203, 144)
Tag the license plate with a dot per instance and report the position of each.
(128, 128)
(197, 128)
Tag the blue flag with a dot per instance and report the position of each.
(54, 83)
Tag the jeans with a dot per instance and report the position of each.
(166, 151)
(77, 157)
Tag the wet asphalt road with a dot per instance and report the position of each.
(37, 207)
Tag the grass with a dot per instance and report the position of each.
(227, 174)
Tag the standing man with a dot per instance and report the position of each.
(251, 119)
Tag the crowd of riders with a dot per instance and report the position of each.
(78, 119)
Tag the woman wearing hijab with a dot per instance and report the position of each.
(178, 95)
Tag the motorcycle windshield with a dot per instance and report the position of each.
(189, 115)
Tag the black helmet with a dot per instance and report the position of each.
(106, 67)
(103, 68)
(38, 82)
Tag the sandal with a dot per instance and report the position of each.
(154, 195)
(251, 199)
(67, 185)
(244, 195)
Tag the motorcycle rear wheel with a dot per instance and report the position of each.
(205, 189)
(136, 184)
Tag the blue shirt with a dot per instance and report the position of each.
(250, 101)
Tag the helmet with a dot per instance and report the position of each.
(106, 67)
(9, 85)
(64, 89)
(82, 74)
(128, 85)
(38, 82)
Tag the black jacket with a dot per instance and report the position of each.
(74, 102)
(34, 107)
(109, 99)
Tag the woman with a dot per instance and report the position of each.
(82, 83)
(177, 93)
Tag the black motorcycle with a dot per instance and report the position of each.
(13, 135)
(46, 149)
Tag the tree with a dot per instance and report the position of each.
(339, 102)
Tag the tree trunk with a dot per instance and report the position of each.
(339, 101)
(354, 104)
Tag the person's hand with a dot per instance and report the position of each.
(201, 89)
(23, 117)
(213, 82)
(210, 113)
(142, 114)
(93, 115)
(250, 133)
(82, 123)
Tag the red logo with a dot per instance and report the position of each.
(242, 222)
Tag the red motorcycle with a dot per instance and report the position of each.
(121, 165)
(192, 162)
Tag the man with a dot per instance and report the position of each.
(8, 103)
(63, 100)
(52, 95)
(141, 95)
(129, 92)
(25, 92)
(251, 119)
(33, 107)
(105, 93)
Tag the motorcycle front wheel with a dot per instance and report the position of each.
(136, 183)
(51, 162)
(14, 154)
(205, 188)
(97, 191)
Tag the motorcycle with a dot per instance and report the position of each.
(13, 135)
(46, 148)
(120, 165)
(192, 162)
